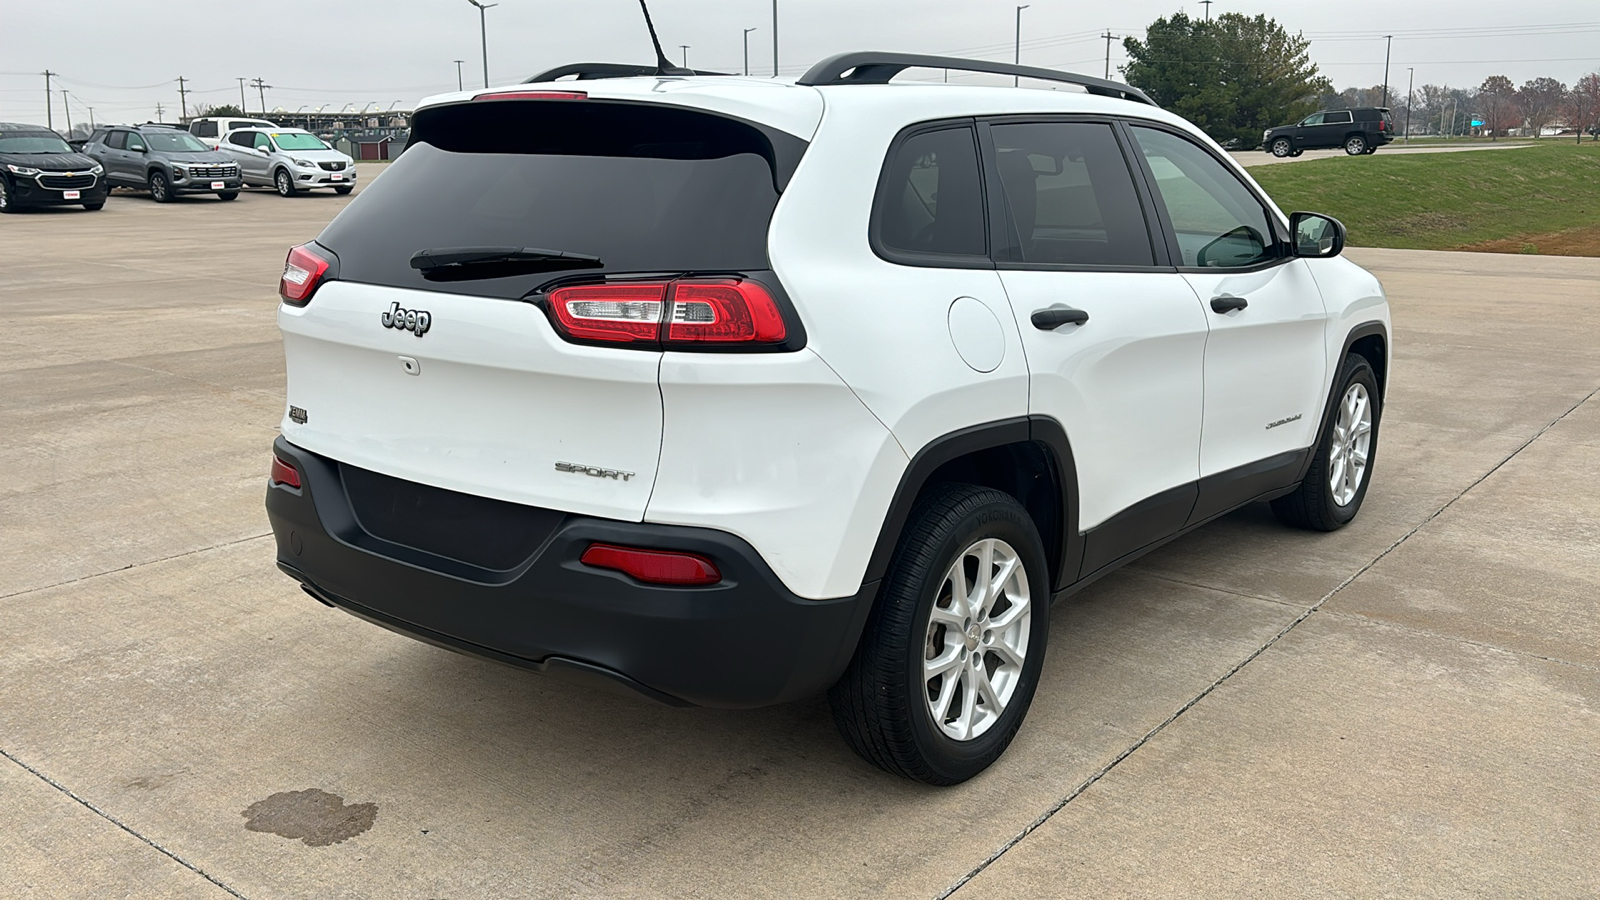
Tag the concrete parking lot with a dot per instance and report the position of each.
(1408, 707)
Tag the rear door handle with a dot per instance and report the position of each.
(1057, 316)
(1227, 304)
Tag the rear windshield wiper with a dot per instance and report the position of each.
(464, 263)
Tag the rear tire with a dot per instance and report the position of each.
(940, 684)
(1282, 148)
(227, 195)
(284, 182)
(1331, 494)
(1355, 145)
(160, 188)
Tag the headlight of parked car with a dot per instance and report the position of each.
(22, 170)
(178, 172)
(304, 164)
(98, 170)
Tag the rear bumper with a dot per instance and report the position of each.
(745, 642)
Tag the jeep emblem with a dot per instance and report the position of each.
(417, 321)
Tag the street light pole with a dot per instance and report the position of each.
(483, 28)
(747, 51)
(1386, 48)
(774, 38)
(685, 48)
(1411, 80)
(1016, 57)
(459, 85)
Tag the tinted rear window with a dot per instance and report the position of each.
(645, 188)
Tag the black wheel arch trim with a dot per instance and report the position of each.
(1044, 430)
(1372, 328)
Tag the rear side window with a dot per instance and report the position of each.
(930, 200)
(243, 138)
(117, 140)
(642, 187)
(1337, 118)
(205, 129)
(1069, 195)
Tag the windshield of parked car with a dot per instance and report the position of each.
(175, 142)
(33, 143)
(293, 141)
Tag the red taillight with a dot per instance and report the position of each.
(723, 310)
(624, 313)
(302, 272)
(534, 95)
(653, 566)
(283, 473)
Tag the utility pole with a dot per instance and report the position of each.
(242, 104)
(1386, 48)
(91, 118)
(261, 91)
(1016, 57)
(747, 51)
(459, 85)
(1207, 5)
(1411, 80)
(183, 99)
(1108, 36)
(158, 113)
(774, 38)
(68, 110)
(49, 117)
(685, 48)
(483, 29)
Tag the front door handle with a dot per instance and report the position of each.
(1057, 316)
(1227, 304)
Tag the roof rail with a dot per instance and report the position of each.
(879, 68)
(590, 71)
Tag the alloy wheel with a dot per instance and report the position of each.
(977, 639)
(1352, 445)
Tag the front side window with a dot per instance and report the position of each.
(261, 141)
(1069, 195)
(1217, 221)
(1313, 119)
(135, 142)
(931, 198)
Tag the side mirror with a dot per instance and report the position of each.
(1316, 236)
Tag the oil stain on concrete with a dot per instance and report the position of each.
(315, 817)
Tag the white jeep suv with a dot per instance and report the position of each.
(733, 391)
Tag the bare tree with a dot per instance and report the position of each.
(1539, 101)
(1496, 98)
(1582, 108)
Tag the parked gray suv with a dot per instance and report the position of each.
(289, 160)
(163, 159)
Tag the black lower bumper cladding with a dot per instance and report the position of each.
(744, 642)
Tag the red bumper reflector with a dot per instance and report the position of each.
(653, 566)
(283, 473)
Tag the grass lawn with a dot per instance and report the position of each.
(1539, 199)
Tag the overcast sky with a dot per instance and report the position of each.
(122, 56)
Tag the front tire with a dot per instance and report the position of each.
(227, 195)
(341, 191)
(952, 651)
(1331, 494)
(284, 182)
(1355, 145)
(1282, 148)
(160, 187)
(95, 207)
(7, 203)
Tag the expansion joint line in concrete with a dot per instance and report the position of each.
(139, 565)
(120, 824)
(1251, 657)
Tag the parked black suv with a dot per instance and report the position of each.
(163, 159)
(1358, 131)
(37, 167)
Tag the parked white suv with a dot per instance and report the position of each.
(289, 160)
(734, 391)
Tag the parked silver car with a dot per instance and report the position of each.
(289, 159)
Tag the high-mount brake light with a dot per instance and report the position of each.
(533, 95)
(303, 271)
(283, 473)
(689, 311)
(653, 566)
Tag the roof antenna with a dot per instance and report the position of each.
(664, 66)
